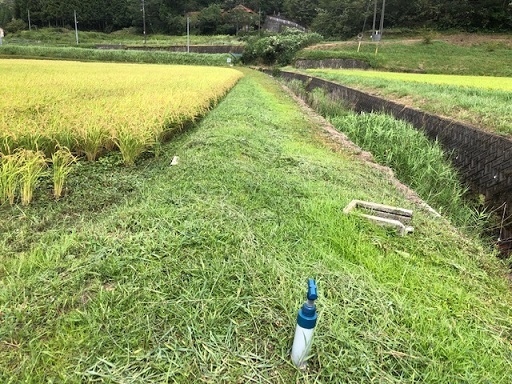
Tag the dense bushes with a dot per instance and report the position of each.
(279, 48)
(15, 25)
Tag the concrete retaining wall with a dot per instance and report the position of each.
(181, 48)
(331, 63)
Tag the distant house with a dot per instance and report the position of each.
(243, 18)
(243, 8)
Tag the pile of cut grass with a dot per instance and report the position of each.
(194, 272)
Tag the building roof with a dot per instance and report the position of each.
(243, 8)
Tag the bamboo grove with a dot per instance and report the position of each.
(54, 113)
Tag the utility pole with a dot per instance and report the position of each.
(259, 21)
(381, 27)
(29, 23)
(144, 20)
(374, 18)
(76, 29)
(188, 34)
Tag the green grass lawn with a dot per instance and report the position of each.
(485, 102)
(194, 272)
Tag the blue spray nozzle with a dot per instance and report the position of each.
(307, 313)
(312, 294)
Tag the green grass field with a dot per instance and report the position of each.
(194, 272)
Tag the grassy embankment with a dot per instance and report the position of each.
(111, 55)
(440, 57)
(482, 101)
(194, 272)
(416, 160)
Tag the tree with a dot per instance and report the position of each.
(210, 19)
(301, 11)
(339, 18)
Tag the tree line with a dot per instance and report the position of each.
(331, 18)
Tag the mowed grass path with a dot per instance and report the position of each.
(485, 101)
(194, 272)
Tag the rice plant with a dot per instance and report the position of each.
(91, 141)
(131, 143)
(9, 177)
(112, 106)
(62, 159)
(31, 167)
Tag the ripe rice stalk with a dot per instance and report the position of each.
(132, 142)
(91, 141)
(63, 138)
(9, 177)
(31, 139)
(7, 143)
(62, 160)
(31, 167)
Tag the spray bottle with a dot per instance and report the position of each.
(306, 321)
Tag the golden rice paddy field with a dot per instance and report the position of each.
(484, 82)
(90, 108)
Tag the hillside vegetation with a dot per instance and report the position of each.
(331, 18)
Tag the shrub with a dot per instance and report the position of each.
(15, 26)
(279, 48)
